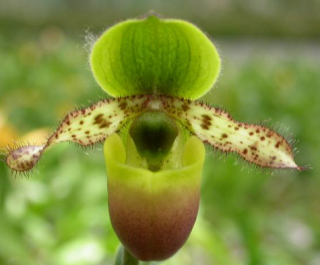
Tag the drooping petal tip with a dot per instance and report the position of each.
(256, 144)
(85, 127)
(24, 158)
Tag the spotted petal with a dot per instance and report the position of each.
(85, 127)
(255, 143)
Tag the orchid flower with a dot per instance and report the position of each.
(153, 129)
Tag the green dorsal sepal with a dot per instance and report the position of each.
(155, 56)
(153, 133)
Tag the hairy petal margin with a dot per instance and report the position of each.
(85, 127)
(254, 143)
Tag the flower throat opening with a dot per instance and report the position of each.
(153, 133)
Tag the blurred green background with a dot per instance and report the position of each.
(271, 73)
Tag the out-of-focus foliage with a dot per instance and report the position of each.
(226, 17)
(59, 215)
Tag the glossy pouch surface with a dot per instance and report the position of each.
(153, 212)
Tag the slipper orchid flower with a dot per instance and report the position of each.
(153, 129)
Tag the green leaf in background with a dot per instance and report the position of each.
(264, 78)
(123, 257)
